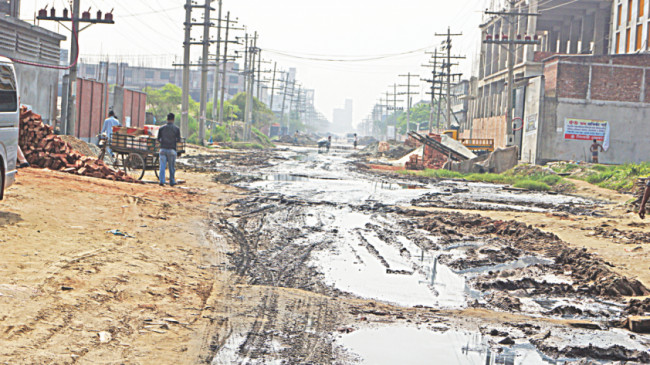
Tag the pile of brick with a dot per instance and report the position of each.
(44, 149)
(431, 159)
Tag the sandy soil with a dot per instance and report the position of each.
(64, 279)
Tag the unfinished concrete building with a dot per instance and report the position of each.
(563, 27)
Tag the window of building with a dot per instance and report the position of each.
(234, 79)
(627, 41)
(629, 11)
(232, 91)
(641, 11)
(618, 43)
(148, 74)
(639, 36)
(164, 75)
(619, 16)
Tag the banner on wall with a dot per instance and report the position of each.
(587, 130)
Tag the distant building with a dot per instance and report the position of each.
(10, 8)
(23, 41)
(139, 77)
(342, 118)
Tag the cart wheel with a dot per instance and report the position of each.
(156, 166)
(134, 166)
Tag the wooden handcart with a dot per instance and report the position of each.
(137, 154)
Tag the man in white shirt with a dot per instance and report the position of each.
(109, 123)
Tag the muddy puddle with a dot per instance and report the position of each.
(390, 345)
(315, 223)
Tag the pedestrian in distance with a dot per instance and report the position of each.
(107, 129)
(644, 200)
(595, 149)
(168, 137)
(295, 138)
(329, 143)
(356, 141)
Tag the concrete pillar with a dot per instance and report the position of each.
(531, 29)
(522, 29)
(503, 52)
(563, 37)
(496, 49)
(601, 32)
(574, 34)
(587, 33)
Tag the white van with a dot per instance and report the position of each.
(9, 119)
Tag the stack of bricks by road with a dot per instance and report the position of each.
(44, 149)
(431, 159)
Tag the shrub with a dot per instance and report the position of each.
(532, 185)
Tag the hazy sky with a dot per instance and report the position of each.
(151, 33)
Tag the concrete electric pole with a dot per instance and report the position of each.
(511, 41)
(408, 98)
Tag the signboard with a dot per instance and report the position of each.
(587, 130)
(531, 123)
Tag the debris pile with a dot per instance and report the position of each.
(44, 149)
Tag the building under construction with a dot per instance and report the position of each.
(559, 26)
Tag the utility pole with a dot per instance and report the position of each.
(204, 71)
(70, 125)
(275, 68)
(225, 69)
(394, 95)
(408, 99)
(248, 119)
(511, 40)
(259, 72)
(215, 97)
(68, 112)
(185, 103)
(447, 47)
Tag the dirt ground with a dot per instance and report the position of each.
(176, 290)
(66, 278)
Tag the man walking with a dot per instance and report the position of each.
(595, 148)
(168, 136)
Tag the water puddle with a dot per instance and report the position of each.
(410, 345)
(362, 263)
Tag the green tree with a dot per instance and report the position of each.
(419, 114)
(167, 99)
(262, 115)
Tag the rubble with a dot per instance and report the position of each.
(44, 149)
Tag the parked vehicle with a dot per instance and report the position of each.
(9, 119)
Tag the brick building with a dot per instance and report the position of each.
(563, 27)
(579, 98)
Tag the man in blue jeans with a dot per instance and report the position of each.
(168, 136)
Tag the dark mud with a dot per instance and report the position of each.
(626, 237)
(299, 241)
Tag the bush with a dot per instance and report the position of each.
(532, 185)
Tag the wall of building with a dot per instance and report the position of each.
(38, 86)
(492, 127)
(603, 88)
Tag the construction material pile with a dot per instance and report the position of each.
(44, 149)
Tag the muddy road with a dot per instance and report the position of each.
(332, 264)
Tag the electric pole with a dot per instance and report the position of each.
(68, 112)
(204, 71)
(225, 69)
(185, 103)
(447, 47)
(408, 99)
(215, 97)
(511, 40)
(394, 95)
(275, 68)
